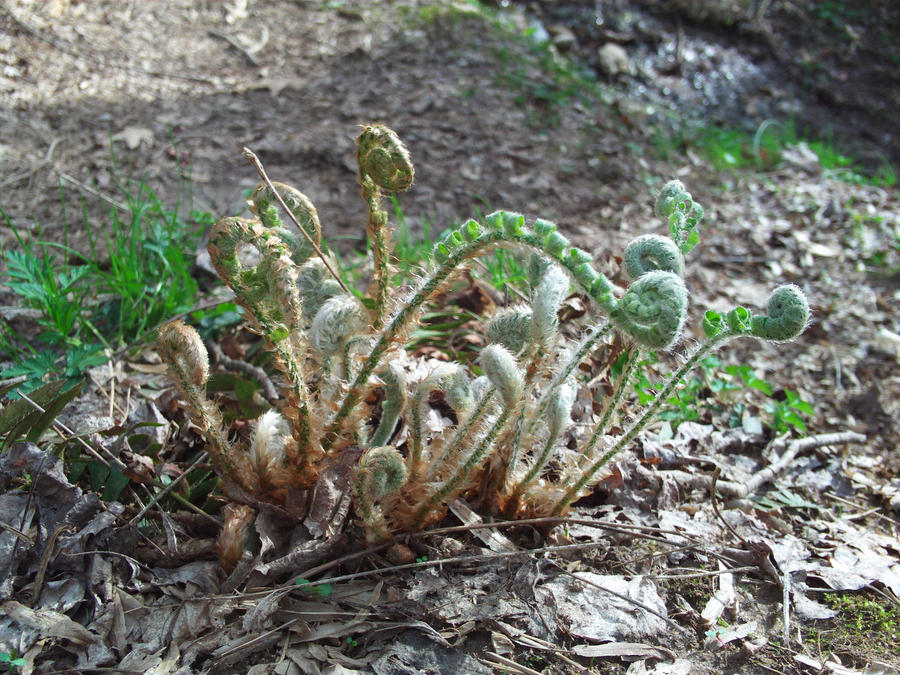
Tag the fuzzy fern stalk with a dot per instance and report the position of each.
(787, 317)
(502, 439)
(384, 164)
(182, 349)
(381, 473)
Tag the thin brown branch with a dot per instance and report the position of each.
(250, 155)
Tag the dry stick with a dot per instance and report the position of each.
(171, 486)
(783, 579)
(250, 155)
(738, 491)
(254, 372)
(508, 665)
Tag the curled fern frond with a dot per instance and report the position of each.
(502, 370)
(182, 348)
(337, 321)
(683, 214)
(510, 327)
(381, 472)
(264, 205)
(652, 252)
(788, 315)
(384, 158)
(237, 520)
(653, 309)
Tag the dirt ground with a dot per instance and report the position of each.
(155, 90)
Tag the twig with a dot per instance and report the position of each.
(256, 373)
(95, 193)
(740, 491)
(508, 665)
(237, 45)
(250, 155)
(171, 486)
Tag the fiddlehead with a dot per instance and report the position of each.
(788, 315)
(510, 327)
(653, 309)
(339, 318)
(683, 214)
(236, 522)
(381, 472)
(272, 446)
(182, 349)
(264, 205)
(384, 159)
(652, 252)
(384, 164)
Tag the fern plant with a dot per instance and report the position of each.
(507, 446)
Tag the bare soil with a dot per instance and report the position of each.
(92, 90)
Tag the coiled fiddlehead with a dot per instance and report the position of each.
(381, 472)
(236, 522)
(272, 445)
(788, 315)
(182, 349)
(652, 252)
(264, 205)
(510, 327)
(683, 214)
(653, 309)
(384, 159)
(384, 164)
(337, 321)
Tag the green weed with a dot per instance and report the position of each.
(136, 274)
(731, 149)
(866, 629)
(710, 387)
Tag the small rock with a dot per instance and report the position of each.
(614, 60)
(563, 38)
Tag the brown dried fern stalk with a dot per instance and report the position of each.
(510, 425)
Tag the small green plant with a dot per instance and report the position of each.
(346, 393)
(12, 660)
(136, 274)
(866, 629)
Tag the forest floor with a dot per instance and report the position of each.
(517, 110)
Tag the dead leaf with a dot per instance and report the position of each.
(49, 623)
(134, 136)
(627, 649)
(138, 468)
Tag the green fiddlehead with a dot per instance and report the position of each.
(384, 164)
(652, 252)
(653, 309)
(683, 214)
(381, 472)
(788, 315)
(264, 205)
